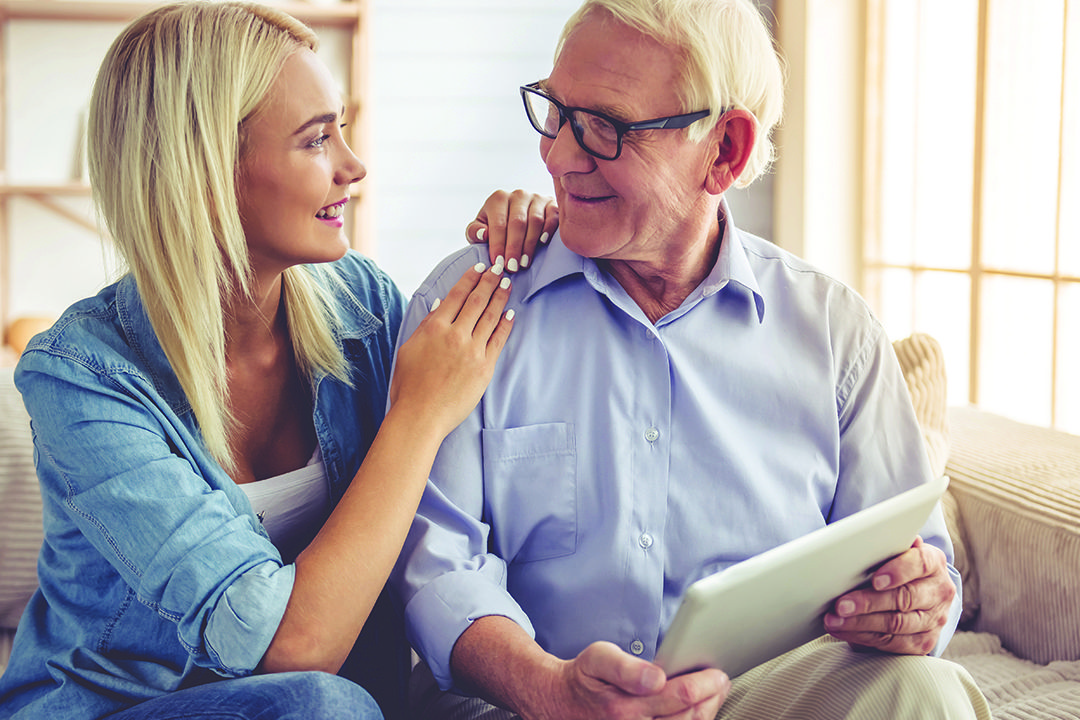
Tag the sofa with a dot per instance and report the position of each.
(1013, 509)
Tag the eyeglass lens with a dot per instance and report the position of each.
(595, 133)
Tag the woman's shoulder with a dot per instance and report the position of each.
(83, 330)
(358, 277)
(106, 336)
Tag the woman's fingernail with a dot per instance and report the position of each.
(512, 265)
(479, 267)
(481, 234)
(524, 261)
(435, 304)
(504, 283)
(544, 238)
(509, 314)
(497, 268)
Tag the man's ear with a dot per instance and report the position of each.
(733, 139)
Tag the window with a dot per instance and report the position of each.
(973, 194)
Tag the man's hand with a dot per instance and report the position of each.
(497, 660)
(605, 682)
(906, 609)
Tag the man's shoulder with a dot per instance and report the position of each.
(451, 268)
(774, 265)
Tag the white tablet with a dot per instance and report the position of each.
(773, 602)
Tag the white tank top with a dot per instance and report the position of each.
(293, 506)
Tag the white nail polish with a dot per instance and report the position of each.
(504, 283)
(524, 261)
(544, 238)
(479, 267)
(512, 264)
(509, 314)
(499, 265)
(481, 234)
(437, 302)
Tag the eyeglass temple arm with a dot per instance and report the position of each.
(674, 123)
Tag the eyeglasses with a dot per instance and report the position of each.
(598, 134)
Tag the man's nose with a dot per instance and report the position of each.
(562, 154)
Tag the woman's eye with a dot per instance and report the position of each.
(318, 142)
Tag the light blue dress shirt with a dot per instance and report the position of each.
(155, 574)
(614, 461)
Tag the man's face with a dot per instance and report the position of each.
(631, 208)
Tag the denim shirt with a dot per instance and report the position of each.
(155, 574)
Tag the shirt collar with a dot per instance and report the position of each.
(732, 266)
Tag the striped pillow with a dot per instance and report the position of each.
(1019, 488)
(20, 505)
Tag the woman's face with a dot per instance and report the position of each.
(295, 170)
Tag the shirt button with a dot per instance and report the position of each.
(652, 434)
(637, 647)
(645, 540)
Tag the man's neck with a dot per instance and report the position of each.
(661, 287)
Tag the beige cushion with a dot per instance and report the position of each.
(1015, 688)
(1018, 490)
(20, 505)
(923, 363)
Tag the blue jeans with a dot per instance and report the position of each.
(279, 696)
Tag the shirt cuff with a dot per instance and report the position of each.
(957, 608)
(444, 608)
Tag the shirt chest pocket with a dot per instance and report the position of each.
(530, 491)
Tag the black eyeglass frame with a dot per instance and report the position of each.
(672, 122)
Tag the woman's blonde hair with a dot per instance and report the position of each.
(730, 60)
(165, 133)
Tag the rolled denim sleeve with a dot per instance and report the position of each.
(115, 465)
(245, 618)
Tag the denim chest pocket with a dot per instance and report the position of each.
(530, 487)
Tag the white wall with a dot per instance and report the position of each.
(448, 123)
(818, 198)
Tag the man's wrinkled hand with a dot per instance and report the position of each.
(905, 609)
(605, 682)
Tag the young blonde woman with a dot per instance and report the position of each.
(225, 489)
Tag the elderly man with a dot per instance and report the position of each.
(677, 396)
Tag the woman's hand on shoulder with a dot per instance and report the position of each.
(446, 364)
(513, 224)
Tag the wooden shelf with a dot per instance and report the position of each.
(68, 189)
(342, 13)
